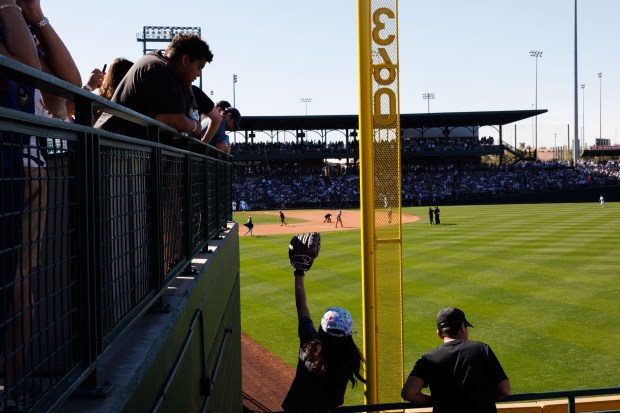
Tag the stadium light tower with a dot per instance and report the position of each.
(583, 113)
(234, 84)
(428, 97)
(234, 80)
(576, 92)
(600, 106)
(306, 101)
(536, 54)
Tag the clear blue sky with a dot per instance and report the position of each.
(474, 55)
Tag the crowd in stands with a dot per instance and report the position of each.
(314, 186)
(445, 144)
(408, 145)
(289, 147)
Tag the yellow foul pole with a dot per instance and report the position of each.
(366, 194)
(380, 189)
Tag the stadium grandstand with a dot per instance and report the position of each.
(134, 298)
(444, 160)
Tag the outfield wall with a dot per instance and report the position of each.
(585, 404)
(611, 194)
(185, 357)
(599, 404)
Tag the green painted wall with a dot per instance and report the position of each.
(197, 367)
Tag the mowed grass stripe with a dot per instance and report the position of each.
(526, 255)
(539, 282)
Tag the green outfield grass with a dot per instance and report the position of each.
(540, 283)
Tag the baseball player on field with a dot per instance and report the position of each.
(339, 219)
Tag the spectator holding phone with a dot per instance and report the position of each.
(95, 79)
(111, 79)
(107, 82)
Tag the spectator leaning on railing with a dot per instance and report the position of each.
(230, 118)
(463, 375)
(157, 85)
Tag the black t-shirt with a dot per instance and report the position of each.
(311, 393)
(202, 102)
(150, 88)
(462, 376)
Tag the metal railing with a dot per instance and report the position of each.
(91, 239)
(569, 396)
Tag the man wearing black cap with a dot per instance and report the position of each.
(231, 119)
(464, 376)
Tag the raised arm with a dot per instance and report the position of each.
(302, 251)
(55, 60)
(95, 80)
(300, 295)
(17, 41)
(57, 57)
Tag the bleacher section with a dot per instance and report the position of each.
(300, 185)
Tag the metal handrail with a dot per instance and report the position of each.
(90, 157)
(569, 395)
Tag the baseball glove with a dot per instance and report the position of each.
(303, 249)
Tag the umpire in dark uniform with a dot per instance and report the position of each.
(463, 376)
(437, 220)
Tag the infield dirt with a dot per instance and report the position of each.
(313, 220)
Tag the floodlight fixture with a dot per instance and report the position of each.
(428, 96)
(536, 54)
(164, 33)
(306, 101)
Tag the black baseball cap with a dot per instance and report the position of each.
(451, 317)
(235, 116)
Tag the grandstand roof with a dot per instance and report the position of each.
(601, 151)
(410, 120)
